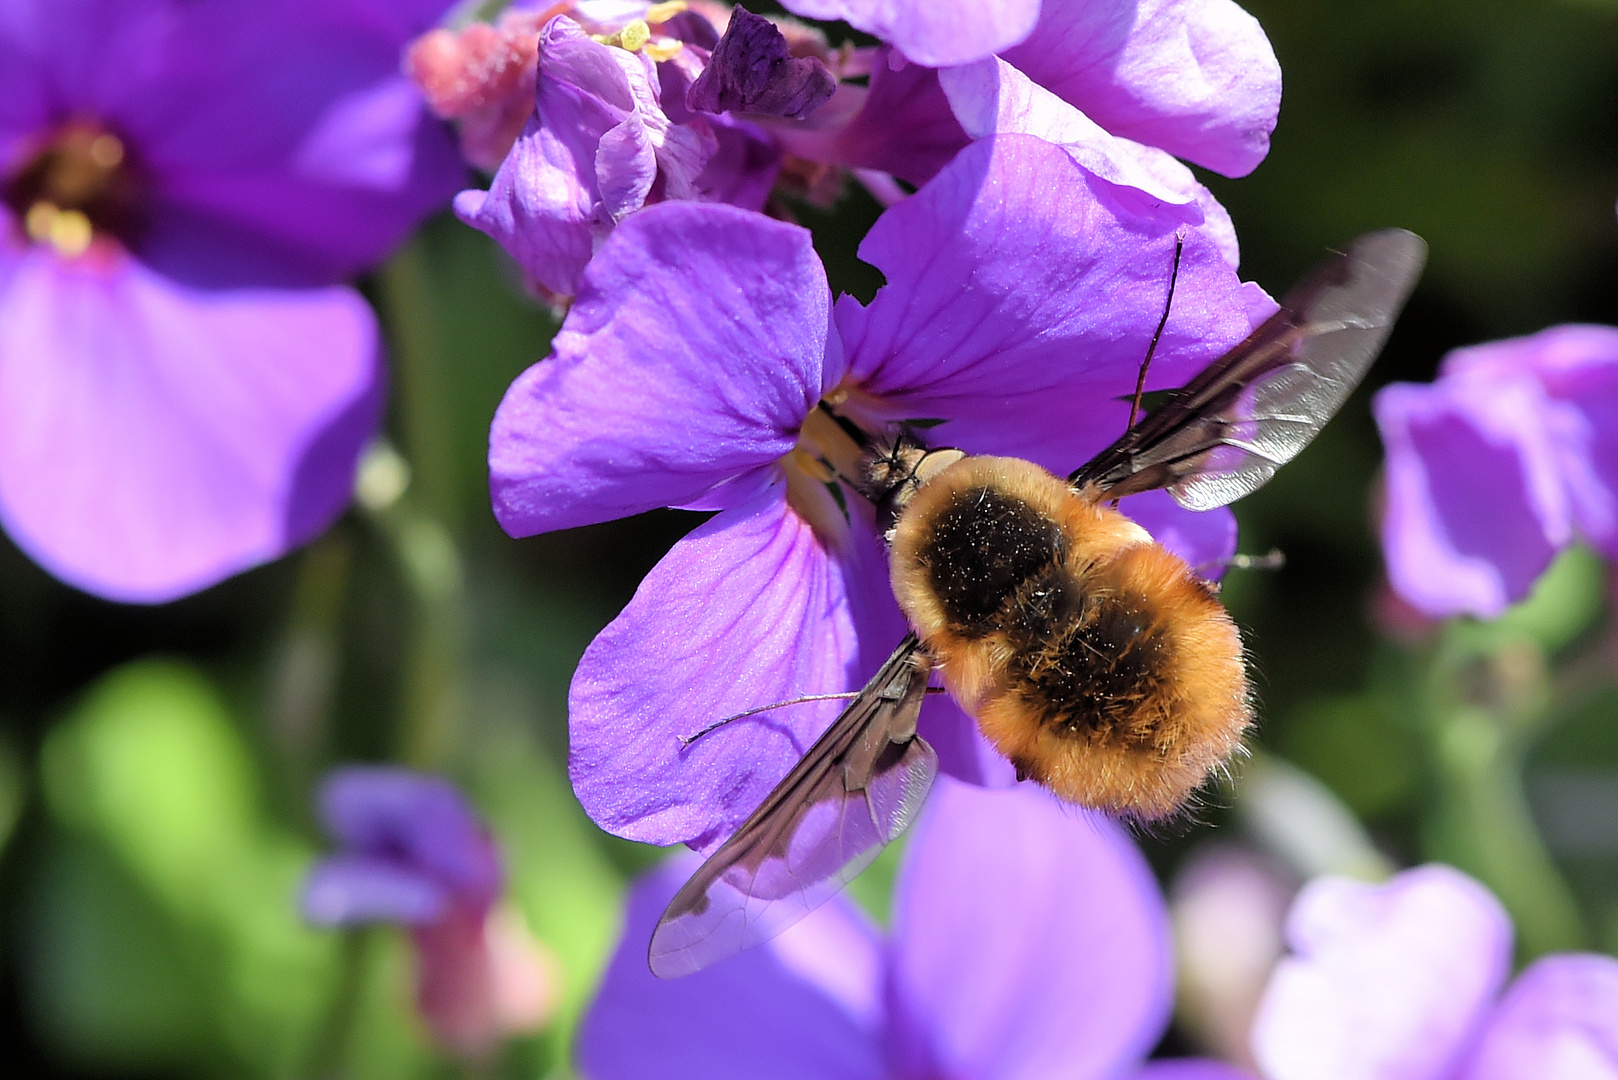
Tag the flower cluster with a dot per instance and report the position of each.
(1498, 465)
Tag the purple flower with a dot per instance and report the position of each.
(183, 388)
(1402, 981)
(1021, 293)
(1028, 941)
(1497, 465)
(413, 853)
(610, 133)
(751, 70)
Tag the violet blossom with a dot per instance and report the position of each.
(1403, 981)
(1497, 465)
(1029, 942)
(1021, 294)
(414, 853)
(1124, 87)
(184, 385)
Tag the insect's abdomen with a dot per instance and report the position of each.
(1094, 659)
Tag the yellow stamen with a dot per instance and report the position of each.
(107, 151)
(68, 231)
(663, 49)
(658, 14)
(633, 36)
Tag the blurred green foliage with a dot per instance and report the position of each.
(156, 812)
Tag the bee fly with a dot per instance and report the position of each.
(1095, 660)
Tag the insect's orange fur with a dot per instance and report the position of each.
(1193, 725)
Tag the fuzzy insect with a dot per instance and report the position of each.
(1095, 660)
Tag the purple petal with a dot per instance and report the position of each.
(1021, 295)
(751, 71)
(1389, 981)
(421, 823)
(901, 125)
(800, 1007)
(155, 439)
(1194, 77)
(1030, 941)
(1578, 368)
(1206, 540)
(1475, 504)
(347, 889)
(991, 97)
(932, 32)
(1191, 1069)
(283, 143)
(696, 347)
(1559, 1021)
(748, 610)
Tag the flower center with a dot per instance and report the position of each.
(821, 468)
(77, 188)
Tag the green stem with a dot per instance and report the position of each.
(329, 1052)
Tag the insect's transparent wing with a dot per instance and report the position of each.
(857, 789)
(1225, 433)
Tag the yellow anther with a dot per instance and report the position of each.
(635, 35)
(663, 49)
(68, 231)
(811, 466)
(107, 151)
(662, 13)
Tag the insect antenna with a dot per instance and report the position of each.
(1140, 380)
(687, 740)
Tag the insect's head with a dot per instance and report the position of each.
(895, 468)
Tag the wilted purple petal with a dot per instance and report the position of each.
(1195, 77)
(695, 349)
(1030, 941)
(1021, 297)
(1386, 981)
(155, 439)
(748, 610)
(1476, 508)
(932, 32)
(420, 822)
(1559, 1021)
(800, 1007)
(343, 890)
(751, 71)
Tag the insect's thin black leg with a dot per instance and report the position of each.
(1145, 365)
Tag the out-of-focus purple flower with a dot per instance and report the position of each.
(1402, 981)
(934, 33)
(600, 145)
(1497, 465)
(183, 389)
(1028, 940)
(412, 852)
(1021, 294)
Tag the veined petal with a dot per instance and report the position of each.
(1022, 294)
(993, 975)
(1385, 982)
(748, 610)
(1476, 505)
(697, 345)
(1191, 1069)
(1195, 77)
(156, 439)
(1559, 1021)
(932, 32)
(800, 1007)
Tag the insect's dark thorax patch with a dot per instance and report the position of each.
(1089, 658)
(983, 546)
